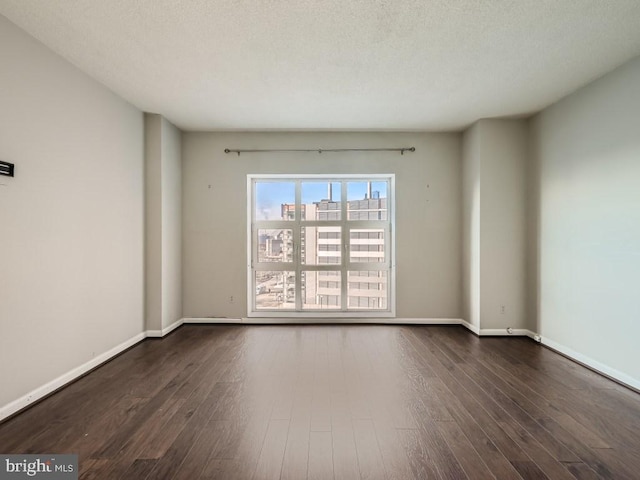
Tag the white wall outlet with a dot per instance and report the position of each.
(231, 299)
(503, 309)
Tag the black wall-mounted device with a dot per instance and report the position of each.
(6, 169)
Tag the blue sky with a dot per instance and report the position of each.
(270, 195)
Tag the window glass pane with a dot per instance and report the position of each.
(321, 200)
(321, 290)
(367, 200)
(356, 191)
(366, 245)
(275, 245)
(275, 201)
(321, 245)
(379, 189)
(328, 248)
(367, 290)
(275, 290)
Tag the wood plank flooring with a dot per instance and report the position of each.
(343, 402)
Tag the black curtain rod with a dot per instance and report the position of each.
(321, 150)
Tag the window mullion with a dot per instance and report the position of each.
(297, 251)
(344, 304)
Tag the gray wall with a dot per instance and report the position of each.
(471, 226)
(153, 220)
(71, 221)
(163, 223)
(494, 225)
(504, 151)
(587, 256)
(428, 219)
(171, 224)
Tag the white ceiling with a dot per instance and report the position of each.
(336, 64)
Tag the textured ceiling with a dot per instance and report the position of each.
(336, 64)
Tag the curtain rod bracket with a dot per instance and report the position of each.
(226, 150)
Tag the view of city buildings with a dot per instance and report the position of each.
(322, 246)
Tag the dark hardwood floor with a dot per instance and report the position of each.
(344, 402)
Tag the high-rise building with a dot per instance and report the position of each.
(321, 245)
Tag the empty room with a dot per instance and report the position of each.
(324, 240)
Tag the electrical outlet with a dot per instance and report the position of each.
(231, 300)
(503, 309)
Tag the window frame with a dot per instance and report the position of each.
(298, 267)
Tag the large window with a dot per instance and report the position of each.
(320, 246)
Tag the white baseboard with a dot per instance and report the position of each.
(484, 332)
(53, 385)
(165, 330)
(43, 391)
(212, 320)
(172, 327)
(71, 375)
(593, 364)
(304, 320)
(601, 368)
(502, 332)
(499, 332)
(469, 326)
(423, 321)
